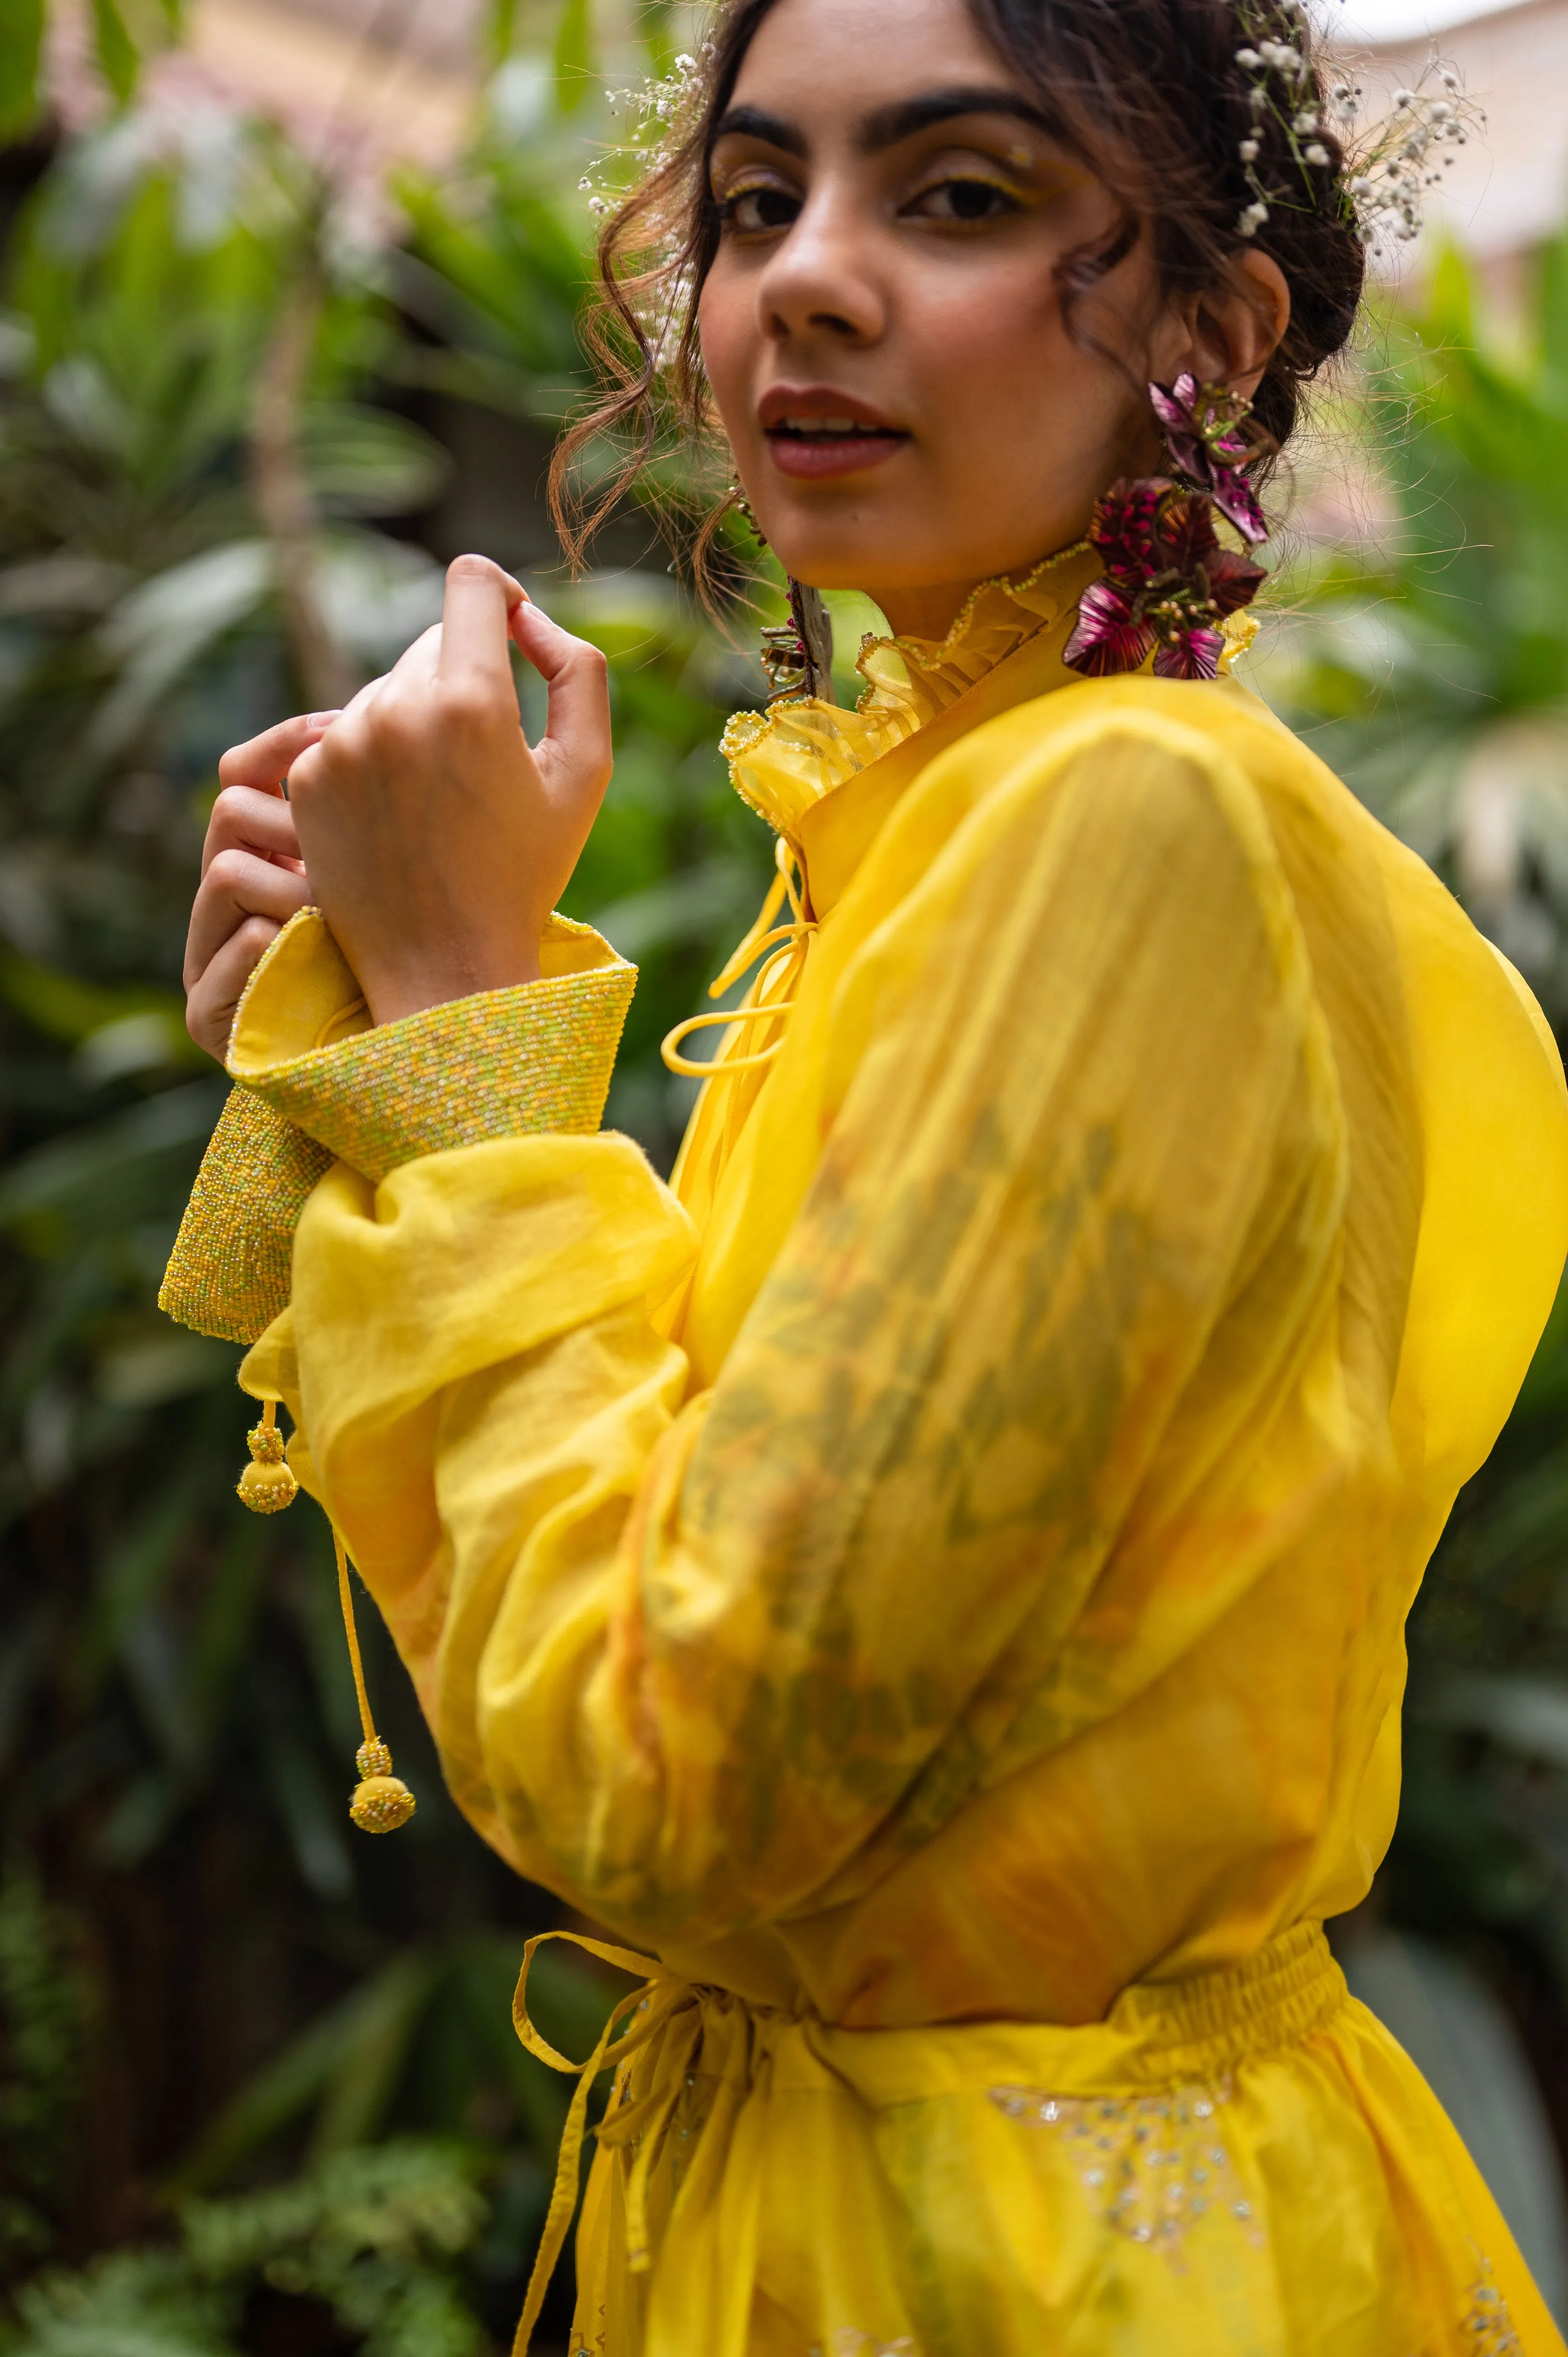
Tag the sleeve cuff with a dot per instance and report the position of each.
(229, 1274)
(504, 1063)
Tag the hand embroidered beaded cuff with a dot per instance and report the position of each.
(229, 1272)
(503, 1063)
(319, 1081)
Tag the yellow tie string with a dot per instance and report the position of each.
(346, 1598)
(659, 1995)
(788, 943)
(380, 1801)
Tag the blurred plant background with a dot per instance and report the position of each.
(244, 417)
(258, 2088)
(1422, 650)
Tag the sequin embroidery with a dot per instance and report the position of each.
(849, 2341)
(1488, 2330)
(1152, 2166)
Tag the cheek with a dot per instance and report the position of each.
(990, 337)
(1014, 382)
(727, 340)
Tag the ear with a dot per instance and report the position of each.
(1231, 331)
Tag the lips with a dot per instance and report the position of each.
(817, 430)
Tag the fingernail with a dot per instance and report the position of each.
(324, 719)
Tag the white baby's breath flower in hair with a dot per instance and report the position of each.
(1387, 167)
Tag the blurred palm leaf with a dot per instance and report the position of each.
(1428, 662)
(433, 2024)
(176, 1719)
(1430, 666)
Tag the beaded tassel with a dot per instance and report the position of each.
(266, 1485)
(380, 1801)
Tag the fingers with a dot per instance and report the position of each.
(251, 818)
(213, 996)
(417, 662)
(238, 884)
(348, 727)
(263, 761)
(576, 741)
(479, 598)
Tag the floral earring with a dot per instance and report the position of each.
(1169, 582)
(797, 655)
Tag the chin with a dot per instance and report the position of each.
(838, 571)
(852, 551)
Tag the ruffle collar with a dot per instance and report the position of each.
(785, 760)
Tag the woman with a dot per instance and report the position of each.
(933, 1576)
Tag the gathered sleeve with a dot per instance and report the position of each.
(692, 1657)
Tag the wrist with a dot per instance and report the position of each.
(413, 990)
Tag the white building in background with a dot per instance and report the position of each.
(392, 77)
(1508, 191)
(364, 81)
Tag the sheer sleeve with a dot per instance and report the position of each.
(693, 1657)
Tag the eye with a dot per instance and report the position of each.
(964, 201)
(753, 211)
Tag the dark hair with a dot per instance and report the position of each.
(1152, 93)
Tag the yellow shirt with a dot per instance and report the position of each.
(935, 1574)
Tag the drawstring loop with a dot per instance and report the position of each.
(787, 945)
(660, 1995)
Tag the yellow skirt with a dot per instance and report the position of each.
(1244, 2164)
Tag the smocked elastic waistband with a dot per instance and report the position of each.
(1206, 2023)
(1158, 2034)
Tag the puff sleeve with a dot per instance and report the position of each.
(695, 1658)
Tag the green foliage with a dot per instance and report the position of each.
(269, 1991)
(43, 2022)
(140, 629)
(1431, 668)
(124, 33)
(575, 56)
(429, 2033)
(20, 50)
(373, 2236)
(493, 265)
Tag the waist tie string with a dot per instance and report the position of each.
(782, 969)
(661, 1995)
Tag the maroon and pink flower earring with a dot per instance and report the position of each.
(1169, 582)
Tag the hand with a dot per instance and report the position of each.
(252, 878)
(437, 841)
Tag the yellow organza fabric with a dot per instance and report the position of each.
(935, 1574)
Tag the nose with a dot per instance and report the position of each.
(821, 280)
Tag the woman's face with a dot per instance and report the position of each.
(882, 326)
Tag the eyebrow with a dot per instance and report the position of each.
(752, 123)
(890, 124)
